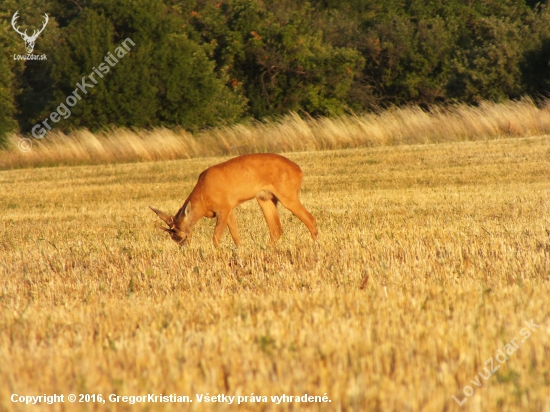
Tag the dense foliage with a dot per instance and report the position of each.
(204, 63)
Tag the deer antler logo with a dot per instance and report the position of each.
(29, 40)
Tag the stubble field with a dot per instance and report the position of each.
(429, 261)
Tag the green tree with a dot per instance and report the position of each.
(409, 59)
(536, 65)
(7, 92)
(200, 63)
(282, 62)
(14, 74)
(166, 79)
(488, 68)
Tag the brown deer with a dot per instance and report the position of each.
(269, 178)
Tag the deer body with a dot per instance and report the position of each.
(269, 178)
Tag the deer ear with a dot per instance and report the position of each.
(169, 220)
(183, 213)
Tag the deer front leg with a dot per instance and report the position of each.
(221, 223)
(233, 229)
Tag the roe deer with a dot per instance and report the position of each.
(268, 177)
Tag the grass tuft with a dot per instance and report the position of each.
(410, 125)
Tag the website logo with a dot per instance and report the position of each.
(29, 40)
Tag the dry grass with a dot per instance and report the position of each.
(430, 259)
(398, 126)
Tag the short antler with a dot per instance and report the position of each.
(169, 220)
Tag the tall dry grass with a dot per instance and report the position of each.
(409, 125)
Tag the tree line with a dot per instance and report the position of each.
(203, 63)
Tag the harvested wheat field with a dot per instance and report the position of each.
(430, 260)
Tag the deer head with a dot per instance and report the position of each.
(178, 229)
(29, 40)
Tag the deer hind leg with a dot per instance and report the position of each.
(293, 204)
(233, 229)
(269, 207)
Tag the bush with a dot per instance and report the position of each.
(166, 79)
(282, 62)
